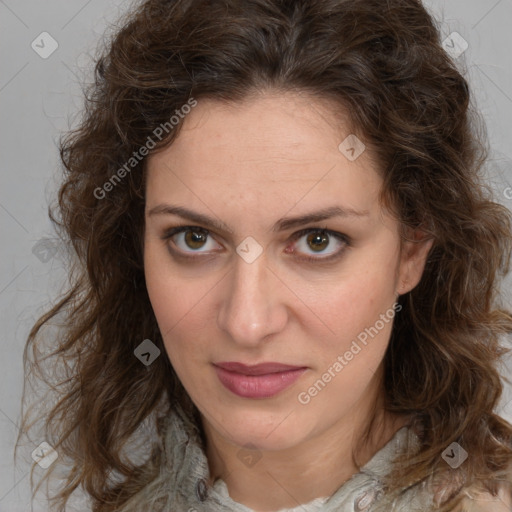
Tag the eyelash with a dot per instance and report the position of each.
(168, 234)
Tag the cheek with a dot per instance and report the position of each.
(174, 297)
(361, 315)
(184, 312)
(356, 299)
(174, 311)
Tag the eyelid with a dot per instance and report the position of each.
(314, 229)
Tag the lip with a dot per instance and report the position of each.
(259, 381)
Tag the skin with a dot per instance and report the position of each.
(249, 165)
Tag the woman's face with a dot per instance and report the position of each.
(275, 295)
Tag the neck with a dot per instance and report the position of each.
(315, 468)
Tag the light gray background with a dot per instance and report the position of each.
(41, 97)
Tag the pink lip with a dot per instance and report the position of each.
(259, 381)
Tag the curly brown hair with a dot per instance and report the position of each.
(383, 62)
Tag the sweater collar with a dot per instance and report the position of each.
(188, 471)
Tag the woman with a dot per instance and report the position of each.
(286, 261)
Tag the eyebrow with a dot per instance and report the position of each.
(281, 225)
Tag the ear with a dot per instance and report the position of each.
(413, 256)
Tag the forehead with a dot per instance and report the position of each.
(274, 150)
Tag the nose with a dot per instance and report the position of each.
(252, 305)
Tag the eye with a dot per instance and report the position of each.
(319, 244)
(190, 239)
(315, 244)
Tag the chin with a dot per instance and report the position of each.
(267, 431)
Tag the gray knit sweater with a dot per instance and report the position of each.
(182, 483)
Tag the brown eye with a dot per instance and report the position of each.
(195, 239)
(190, 239)
(317, 241)
(318, 244)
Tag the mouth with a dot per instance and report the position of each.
(259, 381)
